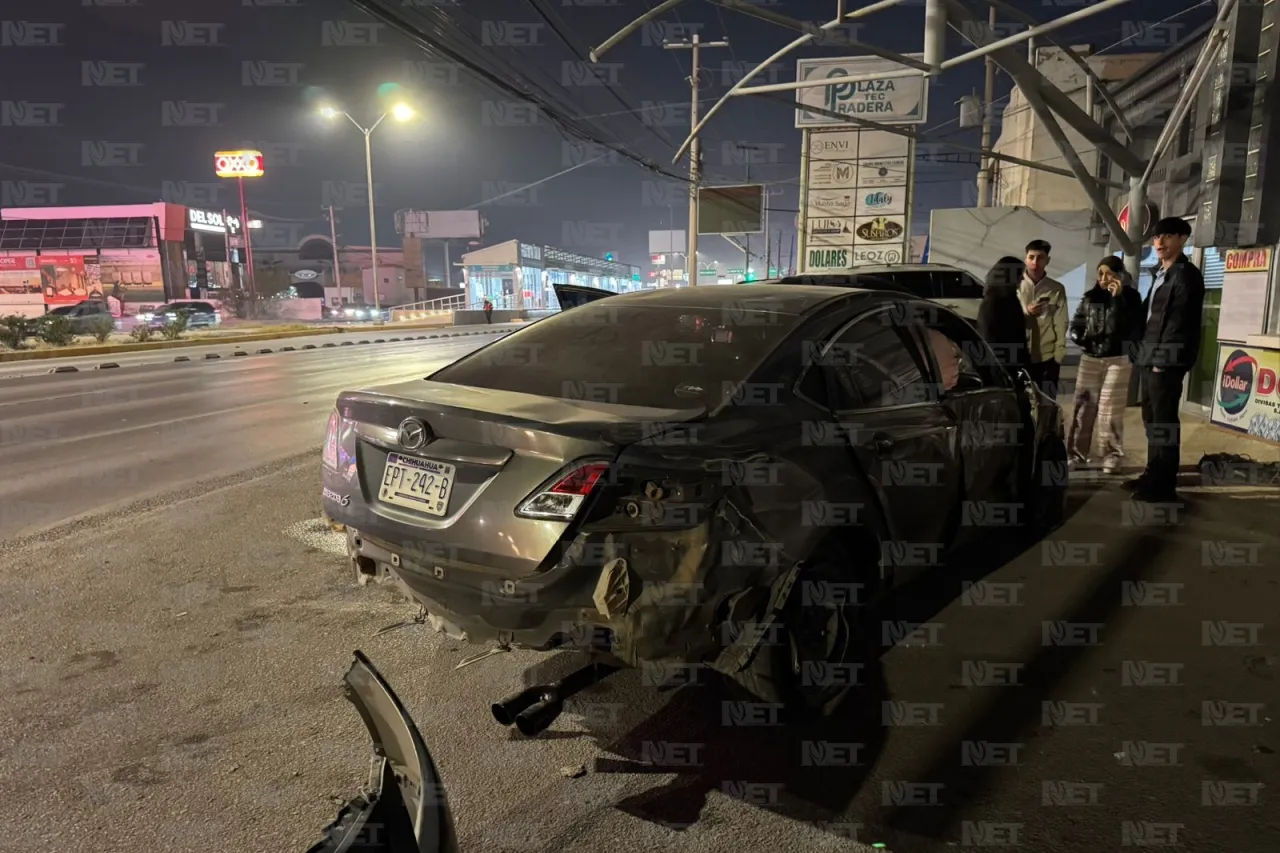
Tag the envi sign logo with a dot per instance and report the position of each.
(1241, 378)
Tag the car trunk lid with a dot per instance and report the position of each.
(497, 448)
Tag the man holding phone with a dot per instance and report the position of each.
(1044, 301)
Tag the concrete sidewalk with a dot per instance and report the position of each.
(1199, 437)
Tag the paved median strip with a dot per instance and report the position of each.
(148, 346)
(212, 356)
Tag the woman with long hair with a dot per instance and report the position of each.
(1107, 326)
(1000, 318)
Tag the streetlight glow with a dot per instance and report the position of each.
(400, 112)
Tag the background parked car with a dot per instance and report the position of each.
(951, 286)
(199, 314)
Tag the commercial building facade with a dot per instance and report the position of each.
(520, 276)
(1213, 177)
(1023, 135)
(135, 254)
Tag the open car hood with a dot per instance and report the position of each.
(575, 295)
(404, 808)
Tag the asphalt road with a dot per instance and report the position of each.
(170, 663)
(86, 442)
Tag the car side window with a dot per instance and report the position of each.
(875, 366)
(956, 285)
(964, 361)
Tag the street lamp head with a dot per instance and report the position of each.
(402, 112)
(329, 112)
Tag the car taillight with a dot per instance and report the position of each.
(330, 457)
(561, 499)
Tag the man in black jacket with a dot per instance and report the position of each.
(1168, 350)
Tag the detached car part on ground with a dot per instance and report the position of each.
(713, 477)
(404, 808)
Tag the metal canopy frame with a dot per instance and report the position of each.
(1049, 103)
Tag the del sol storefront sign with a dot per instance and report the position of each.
(1245, 398)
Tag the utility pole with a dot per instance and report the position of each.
(986, 190)
(695, 46)
(333, 241)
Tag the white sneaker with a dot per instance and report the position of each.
(1111, 464)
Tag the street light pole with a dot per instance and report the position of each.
(373, 228)
(402, 112)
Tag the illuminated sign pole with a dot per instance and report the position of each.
(241, 165)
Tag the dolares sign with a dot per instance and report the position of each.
(890, 100)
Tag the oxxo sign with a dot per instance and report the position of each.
(239, 164)
(212, 221)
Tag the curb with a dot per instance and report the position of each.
(109, 349)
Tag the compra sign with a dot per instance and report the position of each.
(1247, 260)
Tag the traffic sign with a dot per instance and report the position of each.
(735, 271)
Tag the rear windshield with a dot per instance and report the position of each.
(659, 356)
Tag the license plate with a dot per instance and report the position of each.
(421, 485)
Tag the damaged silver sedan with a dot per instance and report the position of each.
(714, 477)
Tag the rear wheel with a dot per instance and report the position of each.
(812, 664)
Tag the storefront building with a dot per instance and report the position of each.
(521, 276)
(134, 254)
(1213, 176)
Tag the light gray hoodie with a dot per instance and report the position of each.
(1046, 334)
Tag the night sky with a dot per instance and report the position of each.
(180, 91)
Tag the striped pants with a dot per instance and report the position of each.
(1102, 392)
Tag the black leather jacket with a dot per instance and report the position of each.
(1105, 326)
(1172, 339)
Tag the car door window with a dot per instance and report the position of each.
(955, 284)
(961, 360)
(875, 366)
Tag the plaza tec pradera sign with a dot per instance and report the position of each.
(885, 99)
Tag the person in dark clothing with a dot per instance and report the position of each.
(1000, 317)
(1167, 351)
(1107, 326)
(488, 311)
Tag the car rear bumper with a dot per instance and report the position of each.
(553, 609)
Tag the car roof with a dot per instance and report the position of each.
(882, 270)
(777, 298)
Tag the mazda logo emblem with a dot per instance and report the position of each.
(414, 434)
